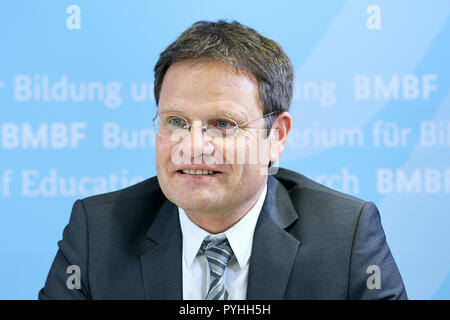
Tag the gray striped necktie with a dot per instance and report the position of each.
(218, 253)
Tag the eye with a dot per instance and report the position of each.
(175, 122)
(224, 124)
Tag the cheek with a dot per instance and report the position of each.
(162, 154)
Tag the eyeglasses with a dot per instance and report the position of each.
(170, 125)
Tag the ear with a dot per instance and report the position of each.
(278, 135)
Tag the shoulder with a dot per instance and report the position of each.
(143, 191)
(135, 207)
(115, 224)
(319, 206)
(296, 183)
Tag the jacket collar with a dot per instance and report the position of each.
(274, 250)
(161, 265)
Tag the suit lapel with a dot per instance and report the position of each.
(274, 250)
(161, 264)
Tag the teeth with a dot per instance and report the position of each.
(204, 171)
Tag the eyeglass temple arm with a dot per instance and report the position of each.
(266, 115)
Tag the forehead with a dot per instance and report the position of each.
(208, 86)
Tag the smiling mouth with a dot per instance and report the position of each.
(198, 172)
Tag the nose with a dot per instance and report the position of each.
(198, 143)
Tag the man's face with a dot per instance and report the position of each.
(198, 92)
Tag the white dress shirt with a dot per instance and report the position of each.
(195, 265)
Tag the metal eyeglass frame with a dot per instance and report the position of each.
(188, 126)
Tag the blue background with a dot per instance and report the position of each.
(327, 41)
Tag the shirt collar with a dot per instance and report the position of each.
(240, 236)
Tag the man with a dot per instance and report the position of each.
(214, 224)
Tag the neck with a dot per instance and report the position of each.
(220, 221)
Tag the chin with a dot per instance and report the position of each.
(197, 203)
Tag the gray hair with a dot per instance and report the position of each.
(241, 47)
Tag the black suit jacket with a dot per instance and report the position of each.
(310, 242)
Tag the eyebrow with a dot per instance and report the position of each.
(238, 115)
(170, 108)
(230, 115)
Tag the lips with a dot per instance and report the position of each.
(198, 170)
(204, 171)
